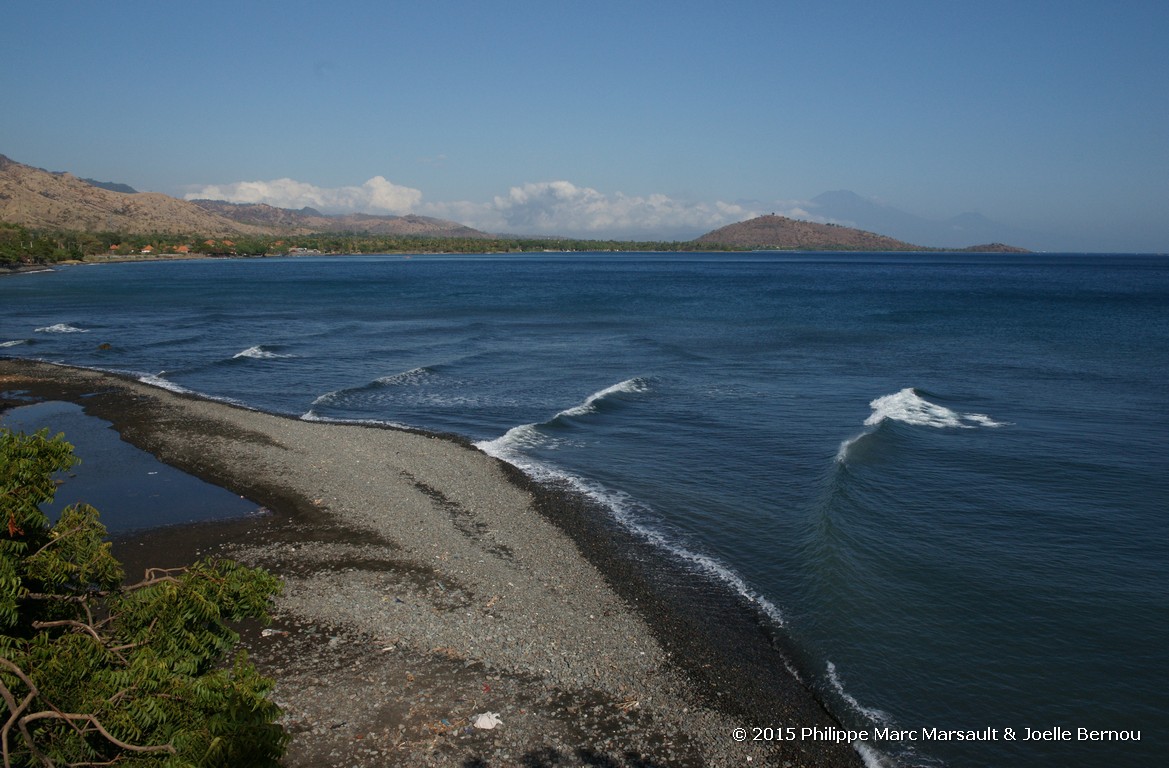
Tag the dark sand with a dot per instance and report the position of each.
(427, 583)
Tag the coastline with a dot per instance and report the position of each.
(427, 582)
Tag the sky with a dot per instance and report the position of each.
(610, 119)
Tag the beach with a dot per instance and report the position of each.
(427, 584)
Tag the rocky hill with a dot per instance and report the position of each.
(41, 200)
(781, 232)
(311, 220)
(38, 199)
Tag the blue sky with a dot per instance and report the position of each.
(606, 118)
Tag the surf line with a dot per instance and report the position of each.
(620, 506)
(507, 446)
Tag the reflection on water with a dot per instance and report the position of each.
(131, 489)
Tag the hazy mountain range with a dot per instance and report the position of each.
(41, 199)
(963, 230)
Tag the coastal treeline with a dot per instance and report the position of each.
(20, 245)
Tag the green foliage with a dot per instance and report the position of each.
(20, 245)
(96, 673)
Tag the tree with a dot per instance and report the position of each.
(96, 673)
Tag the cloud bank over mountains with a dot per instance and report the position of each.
(537, 208)
(377, 195)
(562, 208)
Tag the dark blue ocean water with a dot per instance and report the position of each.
(945, 476)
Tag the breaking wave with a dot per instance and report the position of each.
(13, 343)
(61, 328)
(908, 406)
(532, 435)
(415, 377)
(590, 404)
(312, 415)
(872, 714)
(259, 353)
(629, 513)
(157, 380)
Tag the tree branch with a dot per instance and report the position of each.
(14, 718)
(97, 726)
(69, 623)
(81, 625)
(72, 719)
(53, 540)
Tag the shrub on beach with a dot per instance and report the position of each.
(94, 672)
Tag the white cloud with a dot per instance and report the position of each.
(563, 208)
(534, 208)
(377, 195)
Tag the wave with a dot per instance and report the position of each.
(414, 377)
(13, 343)
(530, 435)
(872, 714)
(625, 511)
(846, 446)
(590, 404)
(157, 380)
(313, 416)
(910, 407)
(61, 328)
(259, 353)
(871, 757)
(621, 507)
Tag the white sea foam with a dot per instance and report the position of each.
(12, 343)
(908, 407)
(842, 451)
(623, 509)
(510, 445)
(911, 408)
(511, 442)
(414, 377)
(61, 328)
(259, 353)
(157, 380)
(312, 415)
(631, 386)
(874, 715)
(326, 398)
(871, 757)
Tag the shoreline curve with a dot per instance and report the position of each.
(427, 583)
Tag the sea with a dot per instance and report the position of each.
(943, 479)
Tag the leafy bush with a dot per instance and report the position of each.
(96, 673)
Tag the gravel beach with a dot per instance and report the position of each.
(428, 585)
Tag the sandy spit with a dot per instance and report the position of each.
(428, 584)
